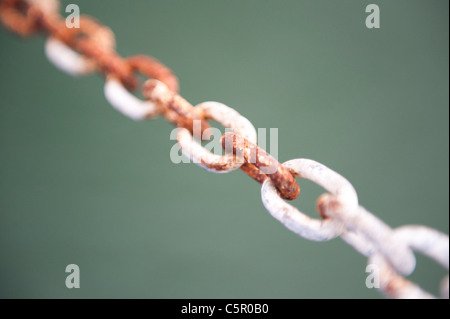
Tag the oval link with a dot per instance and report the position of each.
(371, 227)
(260, 165)
(126, 103)
(23, 16)
(229, 118)
(175, 108)
(123, 101)
(428, 241)
(296, 221)
(66, 59)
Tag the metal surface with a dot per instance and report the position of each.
(228, 118)
(92, 47)
(260, 165)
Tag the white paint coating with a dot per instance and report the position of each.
(295, 220)
(428, 241)
(67, 60)
(126, 103)
(229, 118)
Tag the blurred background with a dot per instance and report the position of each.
(80, 183)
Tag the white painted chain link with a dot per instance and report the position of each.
(67, 60)
(126, 103)
(229, 118)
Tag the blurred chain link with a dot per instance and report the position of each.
(80, 51)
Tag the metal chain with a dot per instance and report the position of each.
(91, 47)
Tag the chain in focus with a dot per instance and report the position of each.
(91, 48)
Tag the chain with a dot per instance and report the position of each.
(90, 48)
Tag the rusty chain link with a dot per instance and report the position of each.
(79, 51)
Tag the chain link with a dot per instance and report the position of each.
(228, 118)
(92, 48)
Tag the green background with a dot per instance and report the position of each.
(80, 183)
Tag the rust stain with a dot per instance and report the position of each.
(92, 39)
(152, 68)
(175, 108)
(221, 167)
(259, 161)
(327, 202)
(20, 17)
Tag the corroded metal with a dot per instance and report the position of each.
(20, 16)
(175, 108)
(97, 43)
(261, 163)
(154, 69)
(296, 221)
(229, 118)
